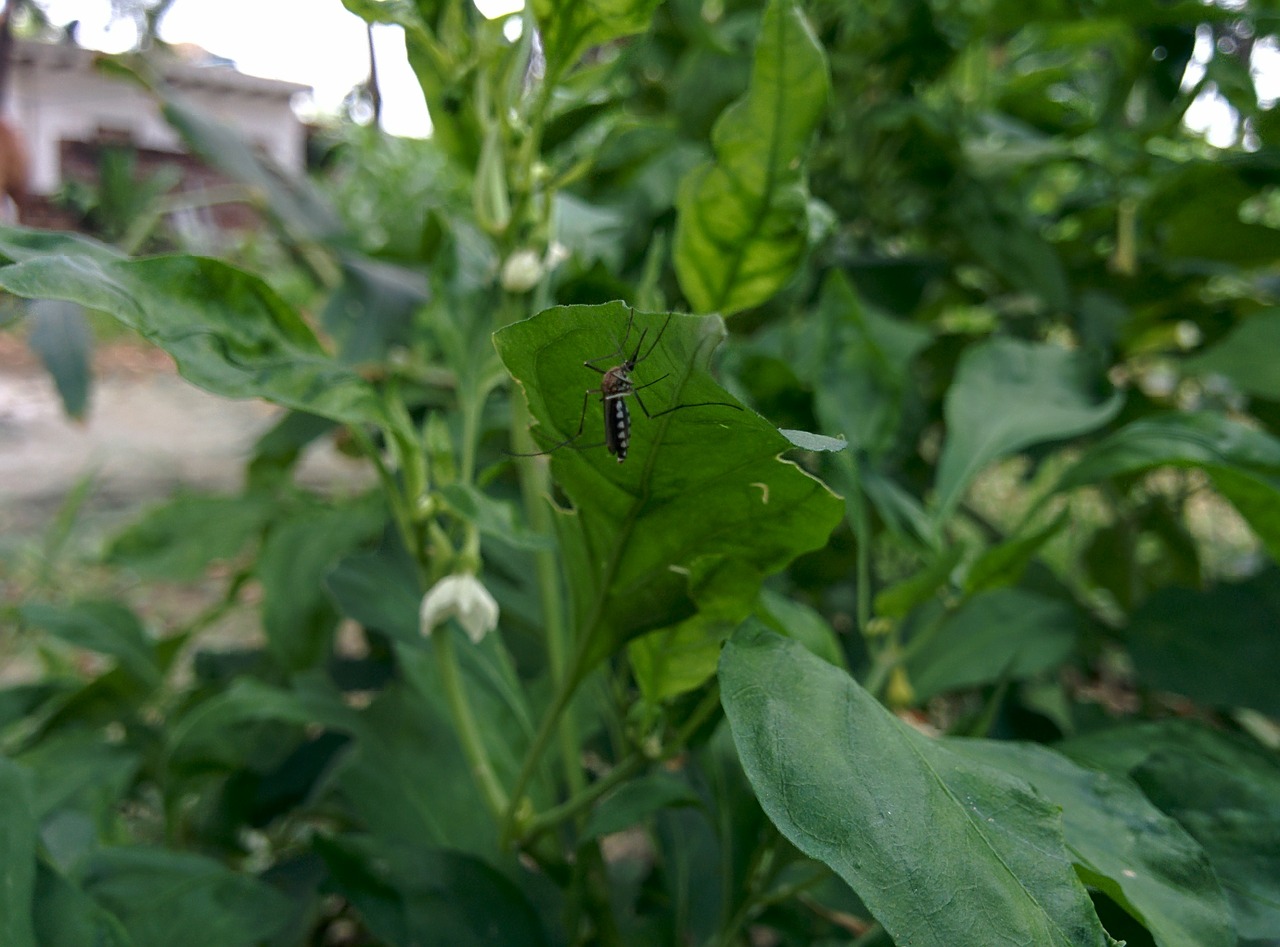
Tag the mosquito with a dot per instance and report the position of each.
(616, 387)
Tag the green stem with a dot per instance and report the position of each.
(628, 767)
(465, 722)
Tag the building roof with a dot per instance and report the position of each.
(183, 72)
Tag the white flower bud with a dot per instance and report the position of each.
(522, 271)
(462, 597)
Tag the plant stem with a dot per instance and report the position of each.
(464, 720)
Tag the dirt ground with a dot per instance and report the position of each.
(147, 432)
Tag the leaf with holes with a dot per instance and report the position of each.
(699, 483)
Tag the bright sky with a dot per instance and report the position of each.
(314, 42)
(318, 43)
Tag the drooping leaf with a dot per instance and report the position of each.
(1123, 845)
(1224, 790)
(227, 330)
(1003, 634)
(163, 898)
(493, 517)
(410, 894)
(17, 856)
(698, 482)
(1246, 356)
(379, 590)
(61, 337)
(743, 217)
(1216, 646)
(942, 849)
(1008, 395)
(1244, 463)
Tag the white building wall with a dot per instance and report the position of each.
(57, 95)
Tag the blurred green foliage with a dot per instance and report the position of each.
(945, 616)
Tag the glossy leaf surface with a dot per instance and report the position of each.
(743, 224)
(942, 849)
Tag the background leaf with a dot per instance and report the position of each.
(570, 27)
(743, 223)
(1215, 646)
(1008, 395)
(1223, 789)
(163, 898)
(60, 336)
(1244, 356)
(942, 850)
(227, 330)
(1243, 463)
(1003, 634)
(17, 856)
(411, 895)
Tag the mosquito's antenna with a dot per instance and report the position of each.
(655, 341)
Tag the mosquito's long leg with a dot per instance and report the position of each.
(697, 404)
(582, 423)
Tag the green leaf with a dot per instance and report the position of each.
(178, 539)
(635, 801)
(700, 482)
(998, 635)
(163, 898)
(493, 517)
(295, 204)
(17, 856)
(942, 850)
(1243, 462)
(380, 591)
(1217, 647)
(1246, 356)
(1004, 563)
(105, 627)
(679, 659)
(66, 917)
(299, 551)
(865, 362)
(372, 308)
(571, 27)
(1124, 846)
(1223, 789)
(227, 330)
(61, 337)
(743, 218)
(78, 768)
(796, 620)
(411, 895)
(1008, 395)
